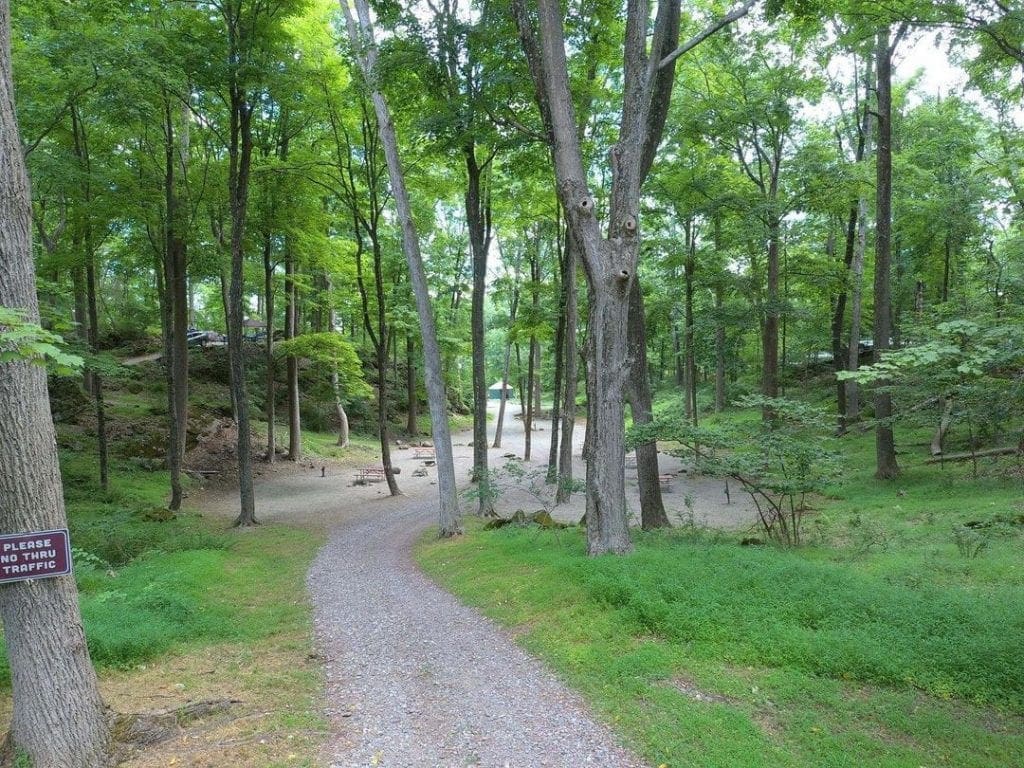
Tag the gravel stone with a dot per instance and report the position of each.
(415, 679)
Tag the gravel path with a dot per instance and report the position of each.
(417, 680)
(414, 678)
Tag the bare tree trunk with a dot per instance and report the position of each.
(940, 431)
(177, 293)
(478, 217)
(551, 475)
(412, 426)
(268, 350)
(361, 37)
(770, 337)
(504, 374)
(610, 262)
(719, 347)
(885, 447)
(58, 719)
(531, 358)
(689, 273)
(291, 330)
(339, 408)
(500, 421)
(652, 507)
(239, 164)
(569, 383)
(856, 308)
(605, 450)
(97, 380)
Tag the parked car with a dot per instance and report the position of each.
(197, 338)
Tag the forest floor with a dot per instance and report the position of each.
(413, 677)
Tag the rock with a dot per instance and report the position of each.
(158, 515)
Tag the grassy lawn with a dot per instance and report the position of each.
(883, 643)
(187, 610)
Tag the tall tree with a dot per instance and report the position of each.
(58, 718)
(610, 261)
(886, 467)
(360, 33)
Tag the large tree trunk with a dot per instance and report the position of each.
(885, 447)
(58, 718)
(605, 450)
(610, 261)
(652, 507)
(361, 38)
(478, 217)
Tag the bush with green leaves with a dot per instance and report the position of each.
(966, 371)
(779, 462)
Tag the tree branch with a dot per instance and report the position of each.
(708, 31)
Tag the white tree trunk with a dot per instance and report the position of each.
(361, 37)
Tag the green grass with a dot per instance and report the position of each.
(148, 587)
(822, 656)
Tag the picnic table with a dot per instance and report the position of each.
(370, 475)
(426, 453)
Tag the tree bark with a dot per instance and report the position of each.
(652, 507)
(514, 306)
(339, 408)
(885, 449)
(95, 381)
(176, 295)
(239, 166)
(551, 475)
(478, 218)
(380, 336)
(770, 336)
(291, 330)
(719, 347)
(412, 411)
(856, 305)
(569, 377)
(610, 262)
(531, 356)
(689, 274)
(268, 350)
(58, 719)
(361, 38)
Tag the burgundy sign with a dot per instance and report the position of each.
(34, 555)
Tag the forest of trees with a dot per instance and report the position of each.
(591, 202)
(199, 165)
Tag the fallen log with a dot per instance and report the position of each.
(1005, 451)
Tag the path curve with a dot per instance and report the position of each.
(417, 680)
